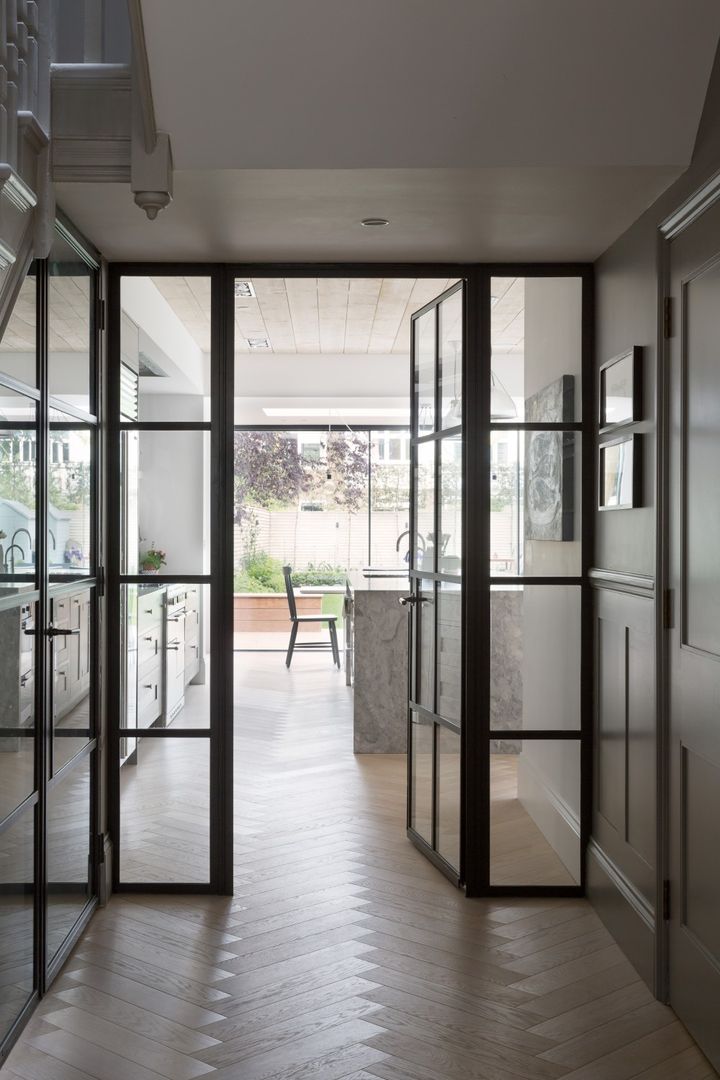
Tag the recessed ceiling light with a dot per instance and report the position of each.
(245, 289)
(374, 222)
(258, 343)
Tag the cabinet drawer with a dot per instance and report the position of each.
(192, 654)
(192, 599)
(149, 645)
(150, 609)
(149, 700)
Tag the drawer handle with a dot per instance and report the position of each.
(148, 638)
(147, 686)
(172, 648)
(148, 611)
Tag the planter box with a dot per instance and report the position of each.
(268, 612)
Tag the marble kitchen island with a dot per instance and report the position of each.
(380, 660)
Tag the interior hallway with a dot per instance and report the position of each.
(343, 952)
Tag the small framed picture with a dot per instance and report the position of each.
(620, 473)
(620, 390)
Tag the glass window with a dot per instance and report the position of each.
(72, 674)
(535, 657)
(68, 851)
(451, 351)
(421, 786)
(390, 493)
(535, 504)
(536, 336)
(165, 811)
(17, 706)
(71, 301)
(451, 488)
(18, 479)
(70, 481)
(425, 506)
(17, 876)
(18, 348)
(534, 812)
(425, 372)
(448, 795)
(449, 651)
(165, 348)
(425, 646)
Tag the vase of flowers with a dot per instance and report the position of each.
(152, 560)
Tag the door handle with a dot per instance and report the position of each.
(404, 600)
(55, 631)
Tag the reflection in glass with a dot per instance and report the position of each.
(16, 917)
(69, 496)
(17, 706)
(68, 851)
(165, 348)
(425, 645)
(165, 657)
(18, 479)
(165, 495)
(72, 652)
(71, 298)
(535, 519)
(425, 372)
(425, 506)
(450, 315)
(451, 487)
(449, 651)
(164, 811)
(448, 795)
(534, 812)
(18, 356)
(536, 338)
(421, 774)
(535, 661)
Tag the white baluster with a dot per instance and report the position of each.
(12, 83)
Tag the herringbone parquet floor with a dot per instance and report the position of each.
(343, 954)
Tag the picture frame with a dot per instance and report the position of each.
(619, 481)
(620, 390)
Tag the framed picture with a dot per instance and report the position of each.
(620, 474)
(620, 390)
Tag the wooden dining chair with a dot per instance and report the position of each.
(296, 620)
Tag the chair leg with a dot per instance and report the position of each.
(334, 643)
(291, 644)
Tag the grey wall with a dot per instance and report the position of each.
(622, 860)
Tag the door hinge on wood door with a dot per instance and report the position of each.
(667, 317)
(668, 609)
(666, 900)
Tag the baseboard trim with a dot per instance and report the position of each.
(556, 819)
(625, 887)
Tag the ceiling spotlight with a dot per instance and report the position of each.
(258, 342)
(244, 289)
(374, 222)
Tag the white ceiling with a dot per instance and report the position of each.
(69, 321)
(483, 129)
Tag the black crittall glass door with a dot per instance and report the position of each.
(436, 594)
(48, 621)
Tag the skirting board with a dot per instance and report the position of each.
(626, 914)
(553, 816)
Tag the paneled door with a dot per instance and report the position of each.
(694, 640)
(435, 596)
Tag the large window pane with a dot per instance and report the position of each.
(72, 613)
(17, 706)
(421, 773)
(18, 481)
(68, 852)
(425, 372)
(451, 489)
(18, 356)
(450, 314)
(448, 795)
(70, 480)
(71, 301)
(390, 494)
(166, 512)
(164, 811)
(535, 503)
(424, 680)
(425, 506)
(534, 812)
(535, 657)
(165, 657)
(17, 857)
(536, 332)
(165, 348)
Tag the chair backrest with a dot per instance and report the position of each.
(290, 592)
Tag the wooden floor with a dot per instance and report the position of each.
(343, 954)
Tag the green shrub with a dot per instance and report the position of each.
(262, 573)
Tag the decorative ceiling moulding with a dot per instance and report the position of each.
(92, 119)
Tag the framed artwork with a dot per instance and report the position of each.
(620, 390)
(550, 464)
(620, 474)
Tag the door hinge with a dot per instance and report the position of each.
(100, 314)
(667, 317)
(100, 579)
(99, 849)
(668, 609)
(666, 900)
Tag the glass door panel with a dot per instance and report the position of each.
(435, 759)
